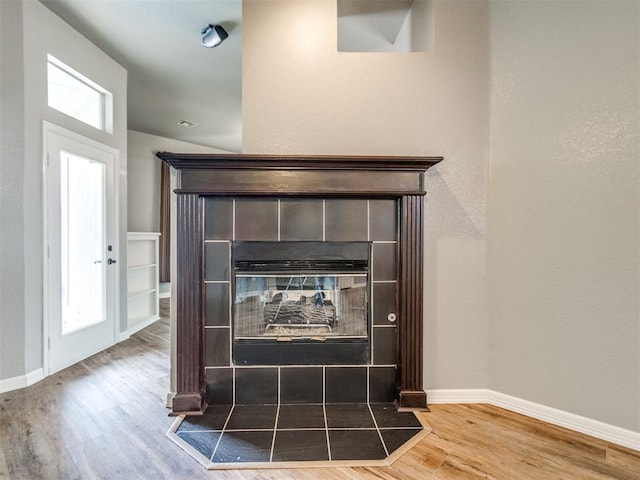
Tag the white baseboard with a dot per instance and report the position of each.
(588, 426)
(22, 381)
(477, 395)
(136, 328)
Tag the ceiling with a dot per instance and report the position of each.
(173, 78)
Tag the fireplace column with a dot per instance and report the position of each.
(411, 394)
(190, 320)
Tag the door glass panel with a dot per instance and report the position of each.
(82, 226)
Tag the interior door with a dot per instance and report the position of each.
(81, 259)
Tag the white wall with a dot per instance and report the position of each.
(143, 174)
(564, 206)
(302, 96)
(23, 326)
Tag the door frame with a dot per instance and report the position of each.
(51, 128)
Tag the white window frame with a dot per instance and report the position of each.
(106, 103)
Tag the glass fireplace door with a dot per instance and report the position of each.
(301, 303)
(314, 306)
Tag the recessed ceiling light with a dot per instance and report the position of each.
(186, 123)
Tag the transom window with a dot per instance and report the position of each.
(75, 95)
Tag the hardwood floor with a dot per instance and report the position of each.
(105, 418)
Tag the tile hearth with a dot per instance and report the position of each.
(267, 436)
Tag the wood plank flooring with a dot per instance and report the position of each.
(105, 418)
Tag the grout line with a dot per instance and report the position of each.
(278, 219)
(303, 429)
(326, 430)
(368, 380)
(353, 429)
(224, 427)
(231, 306)
(375, 422)
(279, 387)
(324, 220)
(233, 219)
(275, 429)
(368, 221)
(233, 384)
(324, 385)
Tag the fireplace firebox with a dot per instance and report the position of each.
(301, 303)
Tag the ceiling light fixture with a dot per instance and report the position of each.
(213, 35)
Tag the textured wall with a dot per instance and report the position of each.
(302, 96)
(564, 206)
(11, 188)
(143, 175)
(57, 38)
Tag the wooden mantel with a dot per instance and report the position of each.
(206, 175)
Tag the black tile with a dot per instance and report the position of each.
(349, 415)
(387, 416)
(218, 219)
(300, 416)
(346, 385)
(384, 345)
(256, 219)
(256, 386)
(204, 442)
(301, 219)
(384, 302)
(356, 445)
(217, 304)
(216, 347)
(296, 446)
(216, 261)
(301, 385)
(346, 220)
(236, 447)
(382, 384)
(252, 417)
(214, 418)
(219, 386)
(384, 261)
(383, 216)
(396, 437)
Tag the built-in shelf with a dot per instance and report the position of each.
(140, 267)
(142, 293)
(143, 285)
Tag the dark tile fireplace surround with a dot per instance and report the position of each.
(223, 199)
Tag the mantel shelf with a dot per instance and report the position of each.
(198, 161)
(294, 175)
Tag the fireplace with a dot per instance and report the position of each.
(256, 326)
(301, 303)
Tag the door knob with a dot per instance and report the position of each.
(110, 261)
